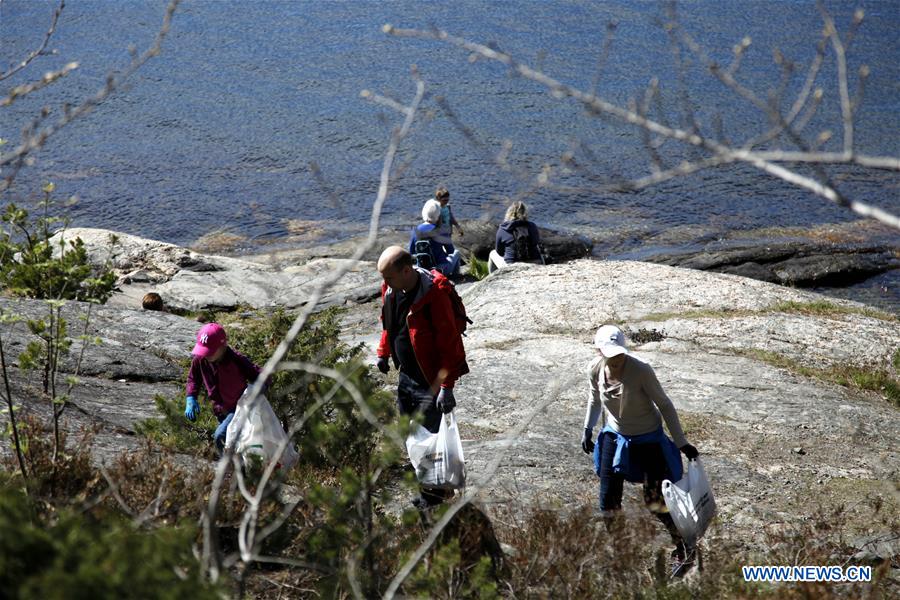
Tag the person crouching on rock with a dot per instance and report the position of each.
(419, 331)
(631, 445)
(225, 374)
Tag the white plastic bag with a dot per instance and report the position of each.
(256, 435)
(690, 502)
(438, 457)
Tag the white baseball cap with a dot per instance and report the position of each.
(610, 341)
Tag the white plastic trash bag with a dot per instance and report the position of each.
(256, 435)
(438, 457)
(690, 502)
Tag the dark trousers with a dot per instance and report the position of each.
(415, 398)
(650, 460)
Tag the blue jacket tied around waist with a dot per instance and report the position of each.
(633, 472)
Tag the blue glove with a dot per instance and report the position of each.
(445, 401)
(191, 408)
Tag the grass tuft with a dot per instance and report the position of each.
(873, 379)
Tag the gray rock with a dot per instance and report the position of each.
(478, 239)
(135, 345)
(528, 346)
(188, 281)
(876, 548)
(530, 343)
(801, 263)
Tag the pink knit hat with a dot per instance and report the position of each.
(210, 338)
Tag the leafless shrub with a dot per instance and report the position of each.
(711, 147)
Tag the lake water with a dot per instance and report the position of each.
(219, 132)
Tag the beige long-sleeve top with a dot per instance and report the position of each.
(634, 407)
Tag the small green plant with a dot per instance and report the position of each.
(478, 268)
(174, 432)
(33, 265)
(825, 308)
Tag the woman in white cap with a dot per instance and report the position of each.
(631, 445)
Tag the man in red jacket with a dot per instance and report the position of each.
(419, 331)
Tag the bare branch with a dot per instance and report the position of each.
(843, 87)
(604, 54)
(210, 558)
(40, 49)
(471, 492)
(561, 90)
(114, 489)
(37, 139)
(811, 75)
(873, 162)
(20, 91)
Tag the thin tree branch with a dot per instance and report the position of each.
(20, 91)
(113, 81)
(562, 90)
(211, 561)
(471, 492)
(40, 49)
(843, 87)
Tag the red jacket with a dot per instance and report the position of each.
(435, 339)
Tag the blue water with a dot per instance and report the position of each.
(218, 133)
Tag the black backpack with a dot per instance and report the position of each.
(423, 256)
(520, 245)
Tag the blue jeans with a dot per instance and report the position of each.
(452, 265)
(221, 430)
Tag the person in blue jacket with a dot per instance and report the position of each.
(442, 260)
(517, 240)
(632, 446)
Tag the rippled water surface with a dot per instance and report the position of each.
(219, 132)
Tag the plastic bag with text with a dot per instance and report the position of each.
(690, 502)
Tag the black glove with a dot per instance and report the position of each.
(445, 400)
(689, 451)
(383, 365)
(587, 444)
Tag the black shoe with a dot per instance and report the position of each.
(682, 560)
(420, 503)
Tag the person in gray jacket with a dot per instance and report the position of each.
(631, 445)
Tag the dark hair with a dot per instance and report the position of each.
(152, 301)
(441, 193)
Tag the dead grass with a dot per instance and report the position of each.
(217, 241)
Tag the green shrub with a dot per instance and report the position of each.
(75, 555)
(34, 266)
(335, 434)
(174, 432)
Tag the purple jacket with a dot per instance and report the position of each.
(225, 381)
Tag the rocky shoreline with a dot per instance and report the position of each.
(745, 361)
(837, 258)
